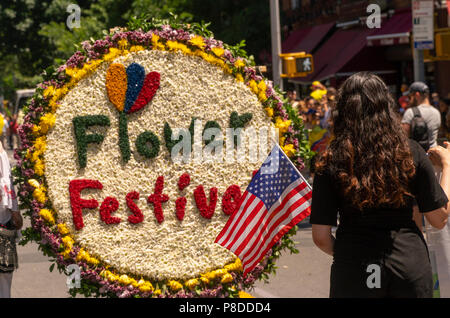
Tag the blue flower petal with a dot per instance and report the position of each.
(136, 76)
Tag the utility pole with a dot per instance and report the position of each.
(276, 42)
(419, 66)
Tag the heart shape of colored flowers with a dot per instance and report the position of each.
(130, 89)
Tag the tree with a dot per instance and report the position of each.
(34, 34)
(233, 21)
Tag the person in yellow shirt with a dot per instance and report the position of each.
(318, 90)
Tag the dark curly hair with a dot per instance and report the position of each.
(369, 153)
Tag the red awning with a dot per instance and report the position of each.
(335, 53)
(306, 40)
(293, 39)
(395, 30)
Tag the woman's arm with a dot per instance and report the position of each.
(441, 157)
(438, 218)
(323, 238)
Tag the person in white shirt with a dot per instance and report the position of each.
(10, 222)
(419, 96)
(438, 240)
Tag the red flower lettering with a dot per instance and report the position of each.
(231, 199)
(77, 203)
(158, 198)
(206, 210)
(109, 205)
(184, 181)
(180, 206)
(137, 216)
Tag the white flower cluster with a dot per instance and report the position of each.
(174, 249)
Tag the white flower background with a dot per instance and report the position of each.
(174, 249)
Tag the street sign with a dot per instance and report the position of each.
(297, 64)
(423, 24)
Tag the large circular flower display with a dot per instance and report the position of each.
(97, 172)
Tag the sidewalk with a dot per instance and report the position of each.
(33, 278)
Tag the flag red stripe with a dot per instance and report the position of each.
(232, 219)
(249, 263)
(284, 214)
(265, 219)
(263, 223)
(252, 216)
(230, 226)
(280, 234)
(248, 218)
(247, 257)
(256, 255)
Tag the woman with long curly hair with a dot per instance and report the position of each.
(370, 176)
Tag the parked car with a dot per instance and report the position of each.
(21, 98)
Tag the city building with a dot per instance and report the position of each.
(344, 37)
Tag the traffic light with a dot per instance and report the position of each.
(441, 51)
(443, 44)
(297, 64)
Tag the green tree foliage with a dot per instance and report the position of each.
(233, 21)
(98, 16)
(34, 34)
(21, 50)
(24, 51)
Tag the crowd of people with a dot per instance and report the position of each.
(315, 109)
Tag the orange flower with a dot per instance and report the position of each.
(116, 85)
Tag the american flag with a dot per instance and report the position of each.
(277, 198)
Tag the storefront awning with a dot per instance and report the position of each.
(293, 39)
(395, 30)
(335, 53)
(306, 40)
